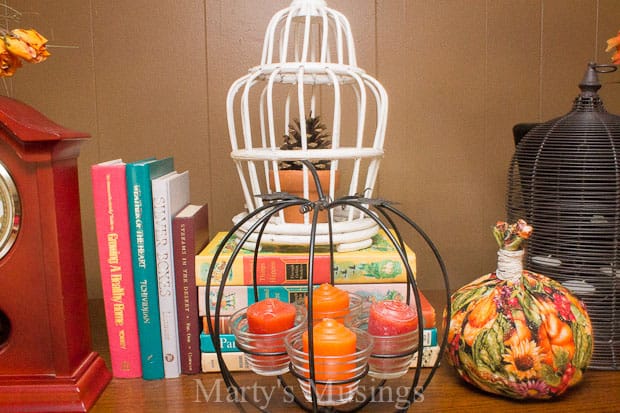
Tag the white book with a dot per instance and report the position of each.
(429, 357)
(235, 361)
(170, 195)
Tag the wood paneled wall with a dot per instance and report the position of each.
(150, 78)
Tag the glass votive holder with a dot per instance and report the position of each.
(392, 355)
(265, 353)
(350, 317)
(336, 377)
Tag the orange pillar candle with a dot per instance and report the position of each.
(391, 318)
(329, 302)
(270, 316)
(330, 339)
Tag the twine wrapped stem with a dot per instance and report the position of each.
(509, 265)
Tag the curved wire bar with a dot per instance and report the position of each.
(268, 211)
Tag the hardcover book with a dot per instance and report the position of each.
(429, 335)
(190, 234)
(224, 325)
(429, 356)
(140, 199)
(114, 247)
(235, 360)
(288, 265)
(170, 195)
(228, 341)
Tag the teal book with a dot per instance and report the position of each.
(139, 191)
(227, 343)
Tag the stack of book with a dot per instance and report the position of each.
(375, 273)
(155, 255)
(148, 234)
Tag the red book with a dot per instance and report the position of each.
(190, 232)
(292, 269)
(115, 263)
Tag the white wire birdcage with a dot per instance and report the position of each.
(308, 70)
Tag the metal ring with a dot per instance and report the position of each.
(605, 68)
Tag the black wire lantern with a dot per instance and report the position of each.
(564, 180)
(384, 214)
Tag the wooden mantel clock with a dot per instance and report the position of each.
(46, 361)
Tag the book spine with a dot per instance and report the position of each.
(234, 362)
(112, 228)
(428, 311)
(378, 264)
(162, 219)
(203, 266)
(430, 355)
(224, 325)
(285, 270)
(293, 270)
(145, 272)
(184, 243)
(234, 298)
(429, 336)
(227, 343)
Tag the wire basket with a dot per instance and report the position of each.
(564, 180)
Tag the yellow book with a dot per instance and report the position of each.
(288, 265)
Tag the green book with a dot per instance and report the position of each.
(139, 196)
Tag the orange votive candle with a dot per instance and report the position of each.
(329, 302)
(330, 339)
(266, 319)
(270, 316)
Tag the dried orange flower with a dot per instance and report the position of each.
(18, 44)
(9, 63)
(27, 44)
(612, 43)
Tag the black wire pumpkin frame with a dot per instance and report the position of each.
(276, 202)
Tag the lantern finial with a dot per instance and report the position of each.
(590, 84)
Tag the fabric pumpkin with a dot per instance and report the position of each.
(517, 333)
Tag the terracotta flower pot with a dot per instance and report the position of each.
(291, 181)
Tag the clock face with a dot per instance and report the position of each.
(10, 211)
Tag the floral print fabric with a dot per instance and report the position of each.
(526, 339)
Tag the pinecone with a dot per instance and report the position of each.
(316, 138)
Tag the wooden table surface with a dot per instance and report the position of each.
(599, 391)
